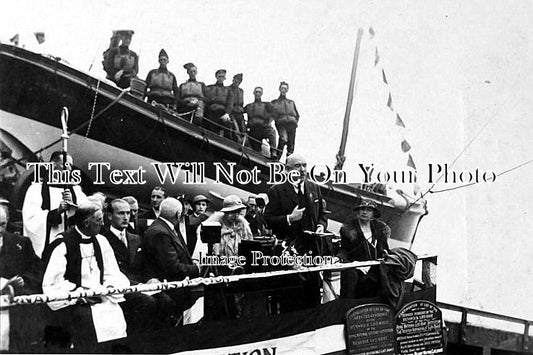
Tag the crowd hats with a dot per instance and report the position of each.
(232, 203)
(200, 198)
(188, 66)
(368, 204)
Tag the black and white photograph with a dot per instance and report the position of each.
(266, 177)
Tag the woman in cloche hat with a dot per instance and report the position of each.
(363, 237)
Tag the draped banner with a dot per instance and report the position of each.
(301, 332)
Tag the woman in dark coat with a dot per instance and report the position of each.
(363, 237)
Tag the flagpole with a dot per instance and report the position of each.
(346, 125)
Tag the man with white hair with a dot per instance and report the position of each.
(166, 254)
(295, 207)
(82, 259)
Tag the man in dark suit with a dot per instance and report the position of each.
(21, 269)
(166, 254)
(294, 207)
(158, 195)
(139, 309)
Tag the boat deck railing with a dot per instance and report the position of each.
(428, 272)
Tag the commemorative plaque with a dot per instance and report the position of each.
(370, 330)
(419, 329)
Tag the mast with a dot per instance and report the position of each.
(340, 155)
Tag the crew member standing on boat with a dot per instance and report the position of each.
(220, 105)
(237, 113)
(192, 94)
(161, 84)
(46, 207)
(286, 118)
(122, 64)
(259, 122)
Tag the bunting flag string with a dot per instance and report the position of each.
(399, 121)
(384, 76)
(410, 162)
(389, 102)
(39, 36)
(405, 146)
(15, 39)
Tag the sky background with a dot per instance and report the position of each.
(455, 69)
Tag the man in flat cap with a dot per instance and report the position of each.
(161, 84)
(237, 113)
(260, 115)
(121, 63)
(219, 106)
(192, 94)
(286, 118)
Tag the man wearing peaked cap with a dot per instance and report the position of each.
(191, 95)
(219, 107)
(286, 118)
(189, 65)
(120, 63)
(237, 114)
(161, 84)
(124, 33)
(259, 122)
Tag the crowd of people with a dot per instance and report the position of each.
(77, 242)
(216, 107)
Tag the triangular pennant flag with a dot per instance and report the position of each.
(399, 121)
(384, 76)
(410, 162)
(376, 61)
(39, 36)
(15, 39)
(389, 102)
(405, 146)
(371, 31)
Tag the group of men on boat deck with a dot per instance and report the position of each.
(78, 242)
(215, 107)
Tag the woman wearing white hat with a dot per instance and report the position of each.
(234, 226)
